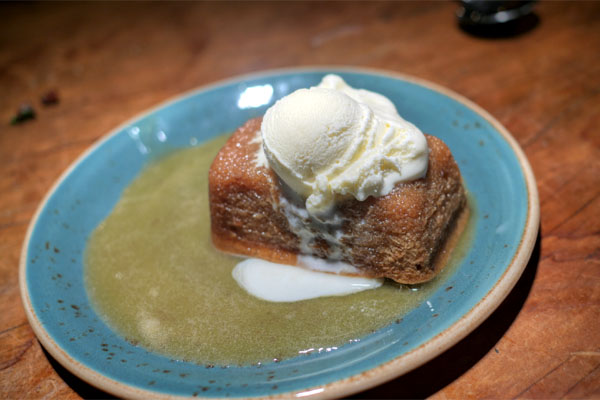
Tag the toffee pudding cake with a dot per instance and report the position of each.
(344, 208)
(396, 236)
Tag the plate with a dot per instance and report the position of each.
(494, 169)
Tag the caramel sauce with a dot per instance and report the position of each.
(153, 274)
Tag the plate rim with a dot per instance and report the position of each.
(355, 383)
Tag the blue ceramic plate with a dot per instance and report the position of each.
(51, 272)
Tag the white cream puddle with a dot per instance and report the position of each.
(285, 283)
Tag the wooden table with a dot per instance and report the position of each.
(108, 62)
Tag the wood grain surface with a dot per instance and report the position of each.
(111, 61)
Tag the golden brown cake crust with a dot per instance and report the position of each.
(396, 236)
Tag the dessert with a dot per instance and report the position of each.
(334, 172)
(154, 276)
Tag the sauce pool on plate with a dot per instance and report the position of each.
(155, 278)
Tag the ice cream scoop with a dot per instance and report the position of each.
(333, 141)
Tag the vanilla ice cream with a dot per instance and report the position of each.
(333, 141)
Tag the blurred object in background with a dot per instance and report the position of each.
(495, 18)
(24, 113)
(50, 98)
